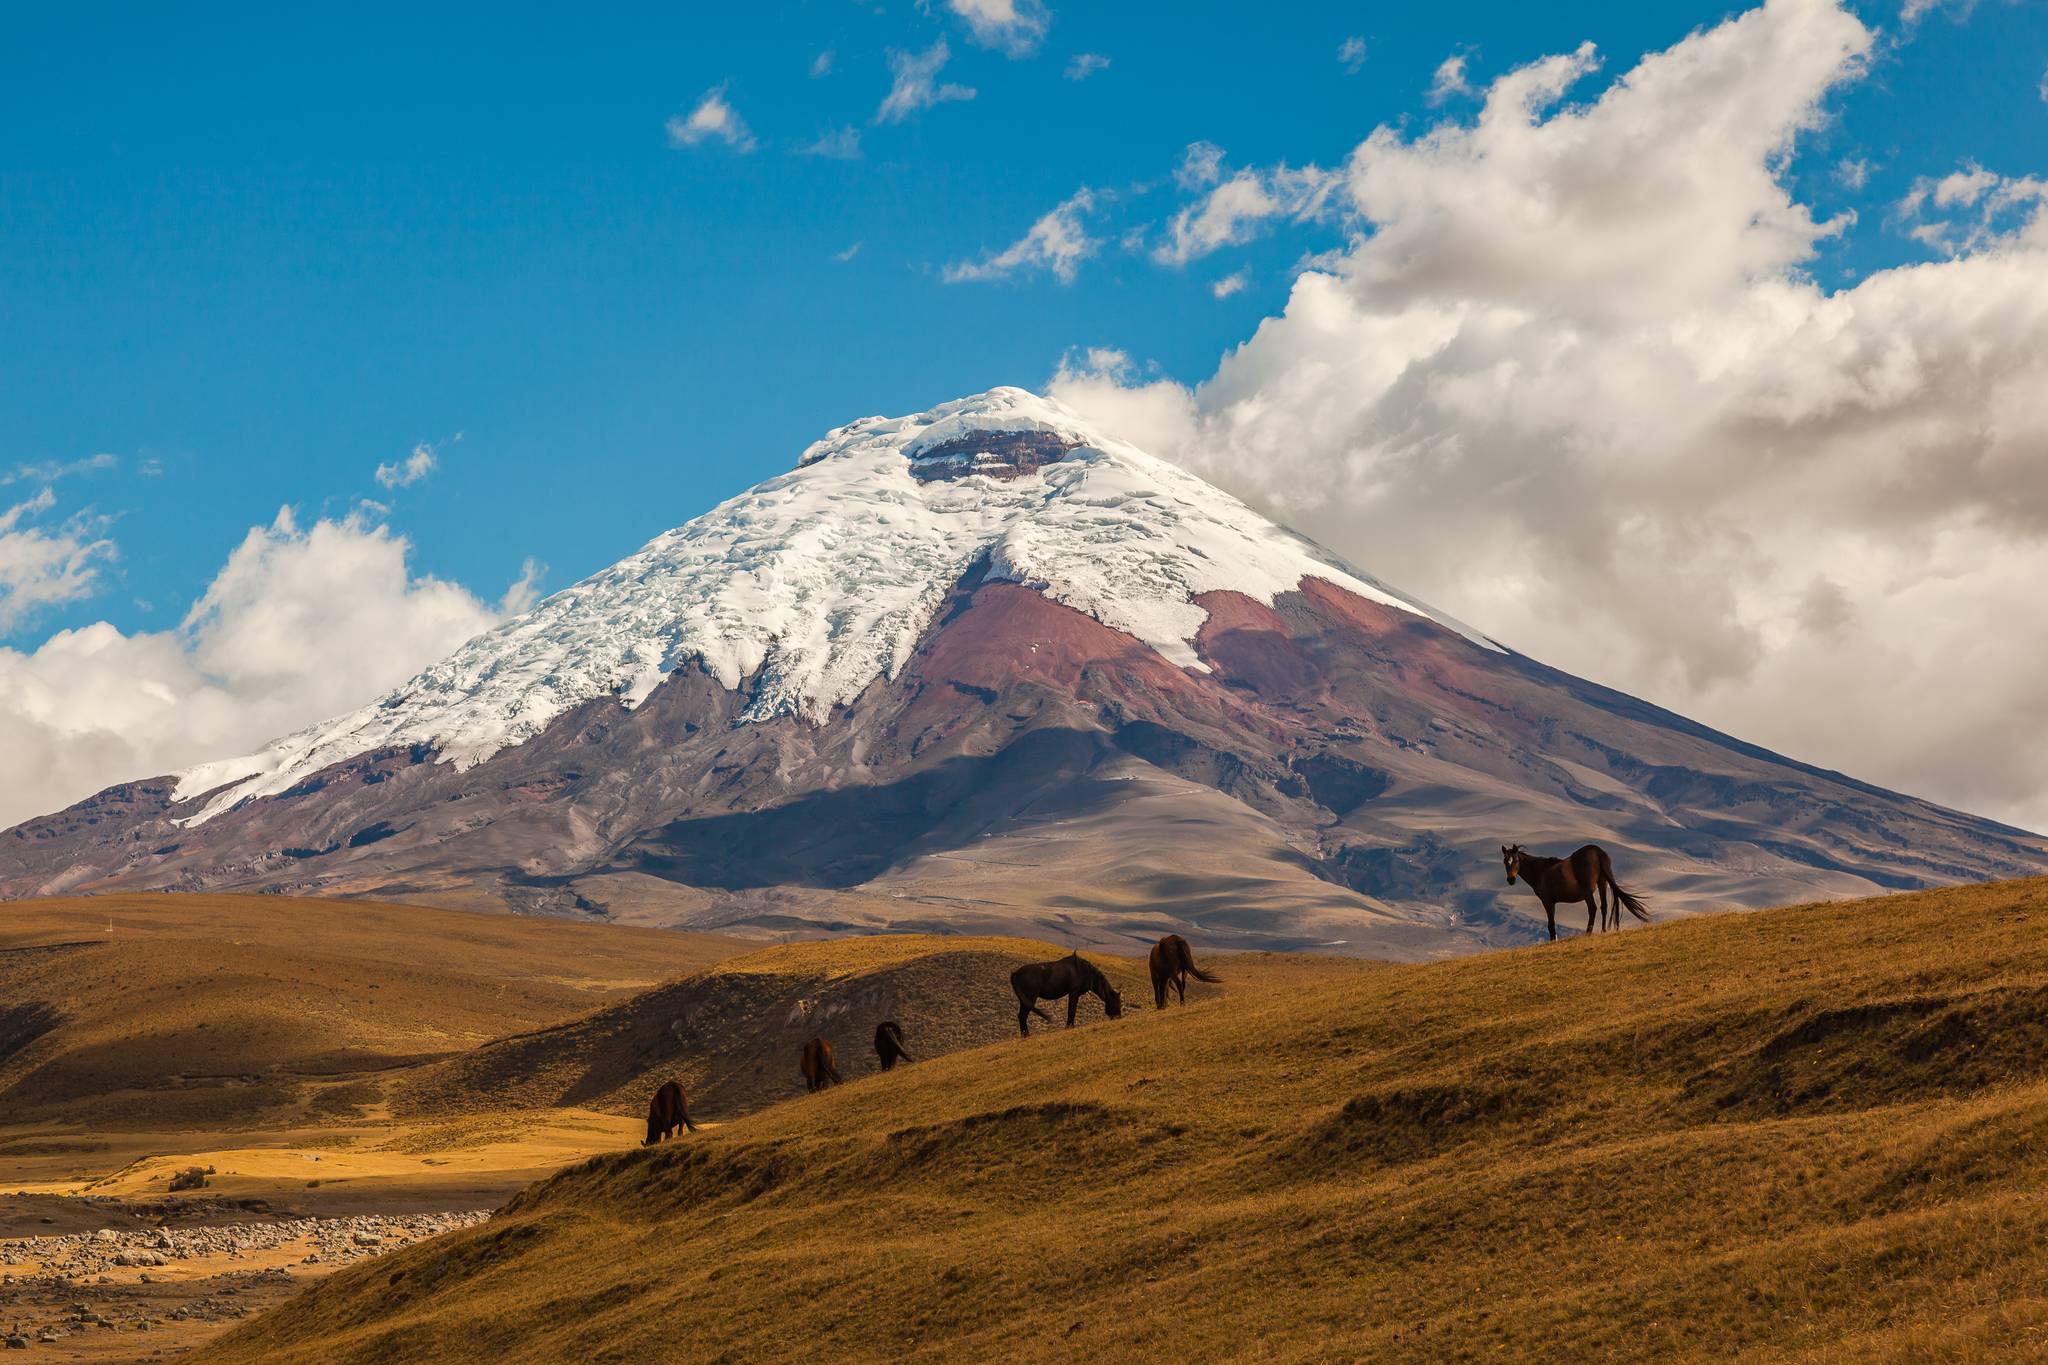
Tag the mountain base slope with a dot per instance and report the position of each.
(1804, 1130)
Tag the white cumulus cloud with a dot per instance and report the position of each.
(43, 565)
(1573, 382)
(299, 624)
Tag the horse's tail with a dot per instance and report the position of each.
(1628, 899)
(1187, 962)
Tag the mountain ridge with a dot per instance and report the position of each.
(1102, 703)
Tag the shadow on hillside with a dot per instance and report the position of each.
(838, 839)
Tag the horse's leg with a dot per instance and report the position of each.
(1023, 1017)
(1550, 914)
(1592, 909)
(1073, 1004)
(1180, 983)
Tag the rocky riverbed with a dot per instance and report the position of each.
(79, 1295)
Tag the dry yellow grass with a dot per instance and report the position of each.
(164, 1011)
(1806, 1132)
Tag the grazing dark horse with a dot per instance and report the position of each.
(889, 1044)
(1588, 875)
(818, 1064)
(1172, 963)
(668, 1112)
(1071, 976)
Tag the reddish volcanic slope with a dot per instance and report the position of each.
(1341, 774)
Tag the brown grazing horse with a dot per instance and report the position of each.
(1172, 963)
(1071, 976)
(668, 1112)
(818, 1065)
(889, 1044)
(1588, 875)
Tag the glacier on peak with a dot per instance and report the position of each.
(817, 582)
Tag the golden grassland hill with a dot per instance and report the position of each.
(152, 1011)
(731, 1033)
(1805, 1132)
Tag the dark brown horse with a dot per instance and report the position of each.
(1172, 963)
(668, 1112)
(818, 1065)
(1072, 976)
(1588, 875)
(889, 1044)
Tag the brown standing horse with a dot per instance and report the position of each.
(1588, 875)
(1072, 976)
(1172, 963)
(667, 1112)
(889, 1044)
(818, 1065)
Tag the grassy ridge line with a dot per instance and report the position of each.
(170, 1010)
(1807, 1131)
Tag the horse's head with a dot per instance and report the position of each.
(1112, 1003)
(1511, 858)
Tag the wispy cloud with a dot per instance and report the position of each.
(410, 470)
(821, 65)
(840, 144)
(1449, 80)
(1976, 210)
(49, 471)
(1232, 212)
(916, 85)
(1351, 55)
(712, 120)
(1082, 65)
(1852, 172)
(1056, 243)
(520, 595)
(844, 256)
(1201, 166)
(1012, 26)
(1229, 284)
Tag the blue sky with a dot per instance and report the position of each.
(567, 283)
(258, 254)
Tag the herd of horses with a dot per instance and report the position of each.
(1586, 876)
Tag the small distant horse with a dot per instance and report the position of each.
(1071, 976)
(889, 1044)
(1172, 963)
(818, 1065)
(668, 1112)
(1588, 875)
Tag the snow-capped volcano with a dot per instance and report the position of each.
(807, 588)
(989, 667)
